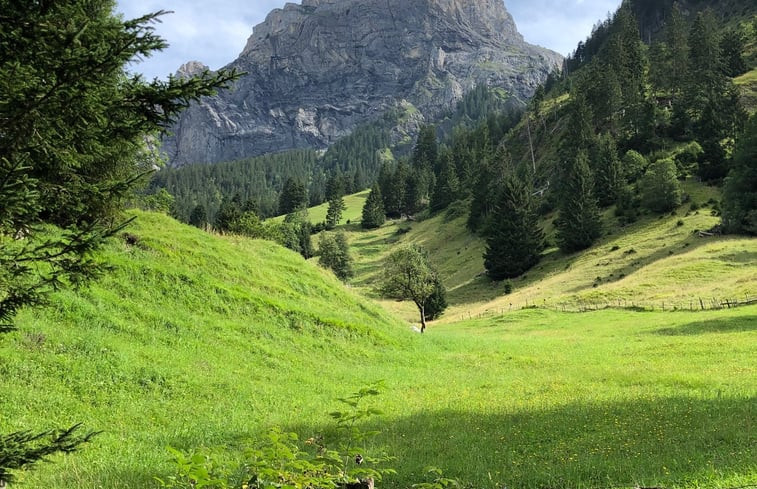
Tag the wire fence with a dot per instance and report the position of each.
(668, 305)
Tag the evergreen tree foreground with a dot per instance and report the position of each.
(73, 132)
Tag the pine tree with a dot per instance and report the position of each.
(425, 153)
(740, 190)
(436, 302)
(607, 170)
(229, 212)
(73, 127)
(514, 238)
(447, 189)
(293, 197)
(578, 224)
(373, 209)
(334, 212)
(490, 176)
(678, 48)
(199, 216)
(732, 52)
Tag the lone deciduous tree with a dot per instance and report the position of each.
(408, 274)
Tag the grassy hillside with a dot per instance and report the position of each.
(353, 209)
(197, 340)
(193, 339)
(659, 261)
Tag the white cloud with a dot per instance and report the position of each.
(216, 32)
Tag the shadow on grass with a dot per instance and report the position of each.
(648, 442)
(726, 325)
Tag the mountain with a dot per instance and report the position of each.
(317, 70)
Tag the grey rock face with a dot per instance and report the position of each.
(317, 70)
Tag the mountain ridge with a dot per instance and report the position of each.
(318, 69)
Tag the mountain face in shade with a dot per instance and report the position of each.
(317, 70)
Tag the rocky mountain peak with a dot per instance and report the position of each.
(191, 68)
(318, 69)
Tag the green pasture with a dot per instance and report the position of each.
(197, 340)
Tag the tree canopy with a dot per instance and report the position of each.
(409, 275)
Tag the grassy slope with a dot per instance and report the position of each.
(654, 261)
(193, 340)
(199, 340)
(353, 209)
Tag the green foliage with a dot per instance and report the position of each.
(294, 197)
(334, 212)
(73, 132)
(447, 188)
(295, 233)
(660, 189)
(409, 275)
(608, 171)
(438, 482)
(199, 216)
(23, 450)
(373, 209)
(514, 239)
(578, 224)
(686, 159)
(334, 254)
(73, 128)
(160, 201)
(740, 190)
(634, 165)
(280, 460)
(437, 301)
(260, 179)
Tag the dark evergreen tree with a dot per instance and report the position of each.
(514, 239)
(740, 190)
(414, 192)
(607, 170)
(491, 171)
(335, 186)
(578, 224)
(436, 302)
(73, 125)
(660, 67)
(394, 198)
(334, 212)
(447, 189)
(678, 47)
(293, 197)
(425, 153)
(199, 216)
(229, 212)
(732, 52)
(373, 209)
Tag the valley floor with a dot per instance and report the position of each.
(199, 341)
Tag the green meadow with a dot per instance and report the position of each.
(195, 340)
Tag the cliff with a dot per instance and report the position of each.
(317, 70)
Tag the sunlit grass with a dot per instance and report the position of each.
(196, 340)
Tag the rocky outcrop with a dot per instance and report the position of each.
(317, 70)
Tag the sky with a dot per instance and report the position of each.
(216, 32)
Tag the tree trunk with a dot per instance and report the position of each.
(423, 318)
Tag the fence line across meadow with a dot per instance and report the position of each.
(694, 304)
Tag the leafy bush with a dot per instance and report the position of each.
(660, 189)
(280, 460)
